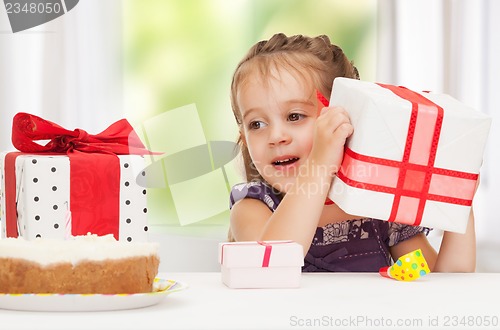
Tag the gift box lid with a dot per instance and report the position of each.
(381, 118)
(261, 254)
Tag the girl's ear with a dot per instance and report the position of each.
(243, 139)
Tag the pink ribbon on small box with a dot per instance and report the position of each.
(414, 179)
(268, 246)
(267, 253)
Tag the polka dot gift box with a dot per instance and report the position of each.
(73, 192)
(407, 268)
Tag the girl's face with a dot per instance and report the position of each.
(278, 118)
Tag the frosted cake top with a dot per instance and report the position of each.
(76, 249)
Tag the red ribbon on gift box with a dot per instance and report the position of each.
(267, 253)
(93, 164)
(413, 180)
(268, 247)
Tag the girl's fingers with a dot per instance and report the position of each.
(332, 119)
(333, 127)
(332, 112)
(343, 132)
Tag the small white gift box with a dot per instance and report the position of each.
(413, 158)
(267, 264)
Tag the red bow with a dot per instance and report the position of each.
(119, 138)
(96, 208)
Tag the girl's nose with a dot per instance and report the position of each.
(279, 135)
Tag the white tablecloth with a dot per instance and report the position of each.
(324, 301)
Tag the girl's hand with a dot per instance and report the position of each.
(332, 129)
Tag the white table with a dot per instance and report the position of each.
(324, 301)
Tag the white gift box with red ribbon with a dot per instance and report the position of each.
(263, 264)
(414, 158)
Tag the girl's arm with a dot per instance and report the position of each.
(296, 218)
(457, 252)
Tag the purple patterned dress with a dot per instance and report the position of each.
(360, 245)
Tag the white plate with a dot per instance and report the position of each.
(89, 302)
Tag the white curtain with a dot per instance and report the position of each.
(67, 70)
(451, 47)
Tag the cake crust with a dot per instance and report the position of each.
(127, 275)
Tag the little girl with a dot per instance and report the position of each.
(292, 148)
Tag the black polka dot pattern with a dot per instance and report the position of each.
(47, 185)
(133, 200)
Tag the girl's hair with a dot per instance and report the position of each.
(313, 59)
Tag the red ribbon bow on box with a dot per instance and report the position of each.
(117, 139)
(94, 167)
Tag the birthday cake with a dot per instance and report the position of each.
(82, 264)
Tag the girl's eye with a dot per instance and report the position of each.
(256, 124)
(295, 116)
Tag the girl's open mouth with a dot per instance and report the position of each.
(285, 162)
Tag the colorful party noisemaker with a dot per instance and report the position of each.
(407, 268)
